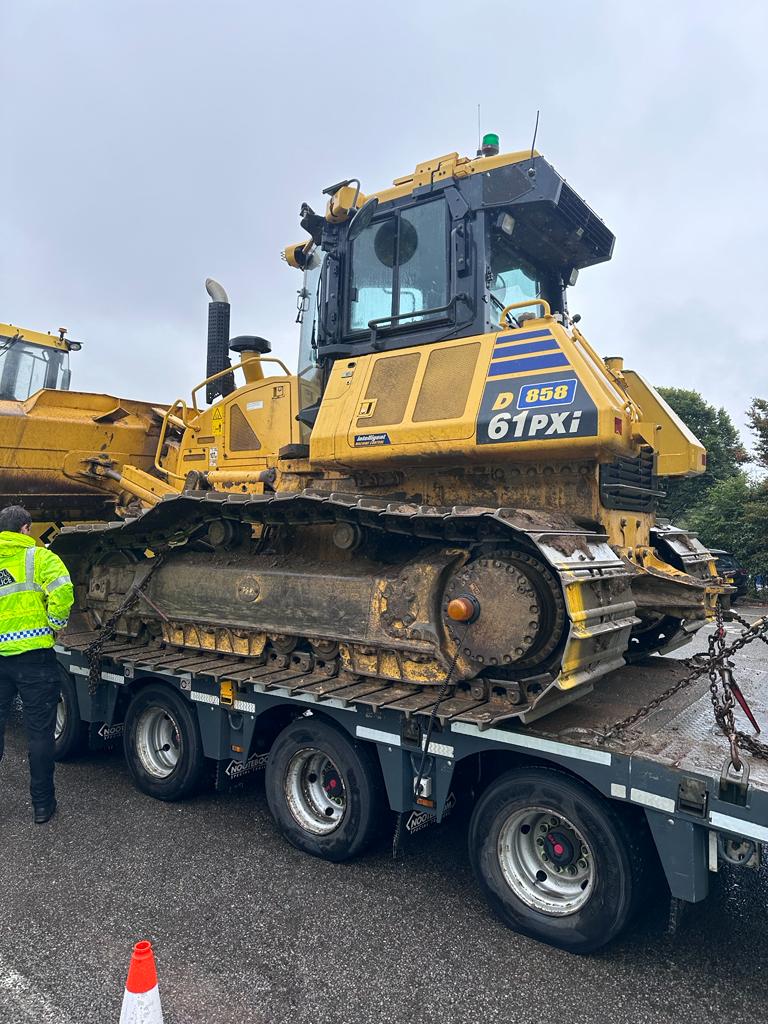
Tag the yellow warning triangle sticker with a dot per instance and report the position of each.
(217, 414)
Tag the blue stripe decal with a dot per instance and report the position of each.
(532, 346)
(545, 333)
(549, 362)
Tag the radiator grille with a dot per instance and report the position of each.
(630, 483)
(445, 388)
(390, 384)
(241, 435)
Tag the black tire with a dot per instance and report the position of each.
(161, 731)
(71, 733)
(355, 813)
(614, 861)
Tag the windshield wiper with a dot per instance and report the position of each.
(511, 320)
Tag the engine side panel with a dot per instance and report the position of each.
(531, 393)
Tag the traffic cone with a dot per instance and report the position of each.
(141, 1001)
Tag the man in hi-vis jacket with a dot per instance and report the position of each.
(35, 598)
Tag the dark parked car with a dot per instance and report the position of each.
(728, 567)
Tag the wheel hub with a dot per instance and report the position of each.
(546, 861)
(559, 848)
(315, 791)
(158, 741)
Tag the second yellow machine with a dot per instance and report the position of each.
(453, 488)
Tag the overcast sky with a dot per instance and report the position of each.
(150, 144)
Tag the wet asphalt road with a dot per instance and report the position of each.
(247, 929)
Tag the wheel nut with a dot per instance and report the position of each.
(582, 864)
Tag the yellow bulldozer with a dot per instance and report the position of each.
(454, 490)
(45, 428)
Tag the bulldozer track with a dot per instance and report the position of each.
(595, 583)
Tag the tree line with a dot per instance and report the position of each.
(727, 506)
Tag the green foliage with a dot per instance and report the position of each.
(734, 516)
(724, 506)
(757, 414)
(725, 453)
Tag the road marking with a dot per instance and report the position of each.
(22, 1003)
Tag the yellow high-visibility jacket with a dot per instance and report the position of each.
(35, 594)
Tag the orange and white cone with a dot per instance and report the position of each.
(141, 1001)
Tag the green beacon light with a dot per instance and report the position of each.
(490, 144)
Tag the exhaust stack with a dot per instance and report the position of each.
(218, 342)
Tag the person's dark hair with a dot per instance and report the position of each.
(13, 517)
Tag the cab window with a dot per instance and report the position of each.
(25, 368)
(399, 265)
(511, 278)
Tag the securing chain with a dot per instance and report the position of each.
(108, 629)
(717, 665)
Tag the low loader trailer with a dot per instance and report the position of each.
(571, 818)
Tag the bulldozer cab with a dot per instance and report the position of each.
(30, 361)
(447, 250)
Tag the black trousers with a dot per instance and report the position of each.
(34, 675)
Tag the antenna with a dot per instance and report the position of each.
(479, 131)
(532, 169)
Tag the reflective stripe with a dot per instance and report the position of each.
(58, 623)
(16, 588)
(29, 564)
(60, 581)
(25, 634)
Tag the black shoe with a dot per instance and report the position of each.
(45, 812)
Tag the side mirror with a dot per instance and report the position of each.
(362, 218)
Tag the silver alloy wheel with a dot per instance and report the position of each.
(158, 741)
(315, 791)
(546, 861)
(61, 718)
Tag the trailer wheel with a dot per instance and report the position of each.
(162, 744)
(554, 860)
(324, 791)
(70, 733)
